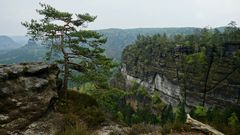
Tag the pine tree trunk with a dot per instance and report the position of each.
(66, 66)
(66, 72)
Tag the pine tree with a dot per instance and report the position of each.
(80, 49)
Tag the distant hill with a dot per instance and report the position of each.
(22, 40)
(6, 43)
(31, 52)
(118, 39)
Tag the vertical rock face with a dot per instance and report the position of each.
(163, 72)
(169, 92)
(26, 92)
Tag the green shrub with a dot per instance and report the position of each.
(200, 111)
(233, 120)
(135, 119)
(79, 107)
(109, 100)
(216, 118)
(120, 116)
(234, 125)
(75, 102)
(181, 115)
(167, 115)
(173, 121)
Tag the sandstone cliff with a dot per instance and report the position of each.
(163, 72)
(26, 95)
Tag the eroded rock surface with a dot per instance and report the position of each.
(26, 95)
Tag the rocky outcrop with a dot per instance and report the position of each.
(26, 95)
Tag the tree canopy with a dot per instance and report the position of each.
(65, 33)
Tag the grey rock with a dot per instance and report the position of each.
(26, 93)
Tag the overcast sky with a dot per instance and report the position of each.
(126, 13)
